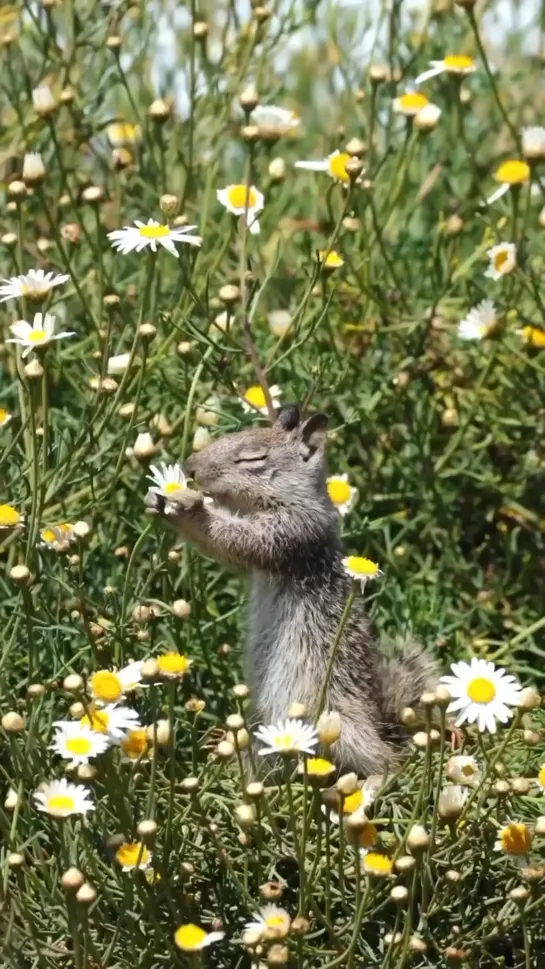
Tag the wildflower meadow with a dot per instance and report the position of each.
(208, 210)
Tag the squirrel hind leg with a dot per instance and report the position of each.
(407, 672)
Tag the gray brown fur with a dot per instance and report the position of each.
(272, 516)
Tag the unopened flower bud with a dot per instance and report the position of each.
(229, 294)
(21, 575)
(169, 204)
(328, 727)
(408, 717)
(81, 529)
(249, 98)
(159, 111)
(181, 609)
(73, 683)
(86, 772)
(347, 784)
(13, 722)
(225, 750)
(147, 830)
(245, 815)
(16, 860)
(418, 839)
(86, 895)
(442, 697)
(529, 698)
(297, 711)
(277, 169)
(404, 863)
(255, 789)
(241, 691)
(72, 879)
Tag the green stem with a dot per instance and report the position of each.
(344, 619)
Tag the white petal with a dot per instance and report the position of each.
(497, 194)
(313, 166)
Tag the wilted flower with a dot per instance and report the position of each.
(503, 259)
(451, 802)
(58, 537)
(274, 122)
(463, 769)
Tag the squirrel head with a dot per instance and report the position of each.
(266, 467)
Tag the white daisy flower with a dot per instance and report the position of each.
(503, 259)
(511, 174)
(479, 323)
(39, 334)
(43, 100)
(243, 200)
(191, 938)
(254, 398)
(135, 746)
(57, 537)
(35, 285)
(410, 103)
(533, 142)
(133, 854)
(273, 121)
(463, 769)
(361, 569)
(481, 693)
(33, 168)
(333, 165)
(273, 918)
(109, 686)
(168, 481)
(139, 236)
(341, 493)
(123, 133)
(5, 416)
(287, 738)
(426, 119)
(359, 802)
(451, 802)
(111, 720)
(460, 64)
(60, 798)
(515, 840)
(78, 744)
(118, 364)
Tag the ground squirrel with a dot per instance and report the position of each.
(271, 515)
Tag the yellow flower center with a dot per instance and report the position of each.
(541, 776)
(513, 172)
(241, 197)
(319, 767)
(377, 864)
(124, 131)
(361, 565)
(189, 937)
(60, 802)
(458, 62)
(332, 260)
(4, 414)
(106, 686)
(97, 720)
(9, 517)
(353, 802)
(337, 167)
(154, 231)
(275, 922)
(78, 745)
(284, 741)
(132, 854)
(36, 291)
(172, 487)
(135, 744)
(481, 690)
(339, 491)
(255, 396)
(533, 336)
(412, 102)
(173, 663)
(500, 259)
(368, 836)
(48, 535)
(37, 336)
(516, 839)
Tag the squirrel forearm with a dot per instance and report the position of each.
(242, 541)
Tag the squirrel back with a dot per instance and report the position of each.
(272, 516)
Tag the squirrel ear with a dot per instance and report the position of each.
(312, 434)
(288, 417)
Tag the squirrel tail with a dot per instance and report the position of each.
(407, 672)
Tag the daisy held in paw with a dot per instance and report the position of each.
(481, 694)
(480, 322)
(39, 334)
(245, 200)
(34, 285)
(458, 64)
(503, 259)
(168, 481)
(288, 738)
(60, 799)
(341, 493)
(334, 166)
(142, 236)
